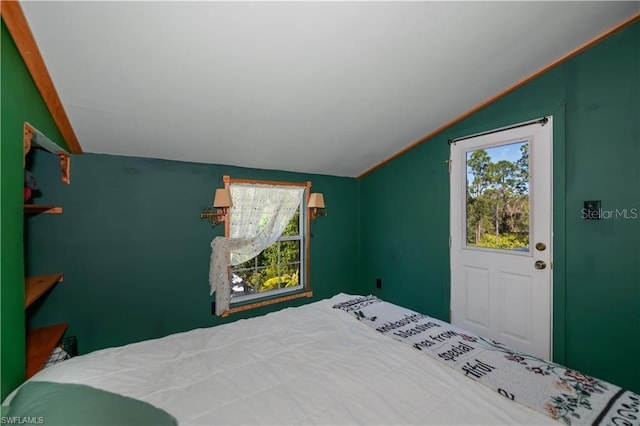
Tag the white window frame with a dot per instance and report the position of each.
(302, 274)
(244, 302)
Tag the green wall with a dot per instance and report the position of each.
(595, 101)
(135, 252)
(20, 102)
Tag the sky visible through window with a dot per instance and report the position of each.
(497, 197)
(510, 152)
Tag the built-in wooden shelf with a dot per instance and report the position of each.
(37, 208)
(37, 285)
(33, 137)
(40, 343)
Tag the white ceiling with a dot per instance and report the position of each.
(319, 87)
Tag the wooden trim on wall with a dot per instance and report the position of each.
(627, 22)
(26, 141)
(18, 27)
(307, 238)
(266, 303)
(227, 222)
(264, 182)
(228, 180)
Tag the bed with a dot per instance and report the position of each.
(344, 360)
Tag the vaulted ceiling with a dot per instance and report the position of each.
(320, 87)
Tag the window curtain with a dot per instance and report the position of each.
(259, 215)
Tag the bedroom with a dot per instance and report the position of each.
(135, 254)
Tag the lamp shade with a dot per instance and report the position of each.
(316, 200)
(222, 198)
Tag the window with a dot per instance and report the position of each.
(280, 269)
(277, 269)
(497, 201)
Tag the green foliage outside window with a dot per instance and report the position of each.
(498, 200)
(278, 266)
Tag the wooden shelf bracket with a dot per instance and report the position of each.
(26, 142)
(38, 208)
(35, 138)
(36, 286)
(40, 343)
(65, 167)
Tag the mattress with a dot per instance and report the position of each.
(307, 365)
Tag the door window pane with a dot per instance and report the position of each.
(497, 201)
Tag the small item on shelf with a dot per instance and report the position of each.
(70, 345)
(57, 355)
(67, 349)
(30, 185)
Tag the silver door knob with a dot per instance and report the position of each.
(540, 264)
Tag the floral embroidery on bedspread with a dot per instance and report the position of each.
(561, 393)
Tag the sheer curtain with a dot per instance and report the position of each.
(258, 218)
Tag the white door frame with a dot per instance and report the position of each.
(541, 198)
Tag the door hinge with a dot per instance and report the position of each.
(449, 165)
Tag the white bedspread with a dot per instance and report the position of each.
(306, 365)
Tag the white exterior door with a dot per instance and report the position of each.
(501, 236)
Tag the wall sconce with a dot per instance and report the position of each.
(316, 204)
(222, 202)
